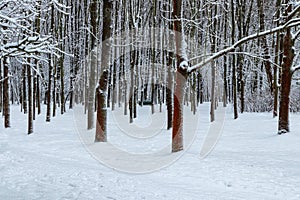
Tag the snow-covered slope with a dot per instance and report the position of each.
(249, 162)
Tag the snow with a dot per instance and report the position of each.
(249, 162)
(184, 64)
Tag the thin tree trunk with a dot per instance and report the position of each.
(225, 92)
(48, 115)
(169, 94)
(6, 106)
(1, 89)
(213, 32)
(51, 64)
(277, 54)
(24, 93)
(54, 91)
(30, 104)
(93, 63)
(234, 90)
(38, 94)
(34, 96)
(266, 55)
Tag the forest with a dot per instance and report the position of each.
(106, 54)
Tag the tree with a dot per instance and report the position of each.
(6, 107)
(287, 72)
(101, 124)
(181, 77)
(93, 62)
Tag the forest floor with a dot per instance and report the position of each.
(249, 161)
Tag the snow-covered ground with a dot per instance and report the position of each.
(249, 162)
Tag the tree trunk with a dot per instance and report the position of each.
(54, 91)
(225, 92)
(266, 55)
(93, 63)
(48, 115)
(213, 33)
(6, 107)
(286, 79)
(30, 109)
(234, 89)
(169, 91)
(51, 64)
(24, 93)
(38, 94)
(34, 96)
(1, 89)
(101, 125)
(277, 55)
(181, 78)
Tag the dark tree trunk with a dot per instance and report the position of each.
(131, 92)
(51, 63)
(286, 79)
(225, 92)
(30, 114)
(6, 107)
(48, 114)
(101, 125)
(38, 94)
(54, 91)
(234, 89)
(1, 89)
(24, 93)
(169, 93)
(34, 96)
(62, 86)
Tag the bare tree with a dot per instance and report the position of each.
(101, 124)
(181, 77)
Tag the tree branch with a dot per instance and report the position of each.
(294, 69)
(291, 23)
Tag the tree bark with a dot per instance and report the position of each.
(1, 89)
(169, 92)
(51, 63)
(286, 79)
(101, 125)
(24, 93)
(6, 106)
(234, 89)
(277, 55)
(93, 63)
(181, 78)
(30, 104)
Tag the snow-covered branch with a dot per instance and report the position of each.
(27, 45)
(291, 23)
(256, 57)
(294, 69)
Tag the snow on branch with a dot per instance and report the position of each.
(294, 69)
(184, 65)
(27, 45)
(294, 11)
(291, 23)
(256, 57)
(60, 7)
